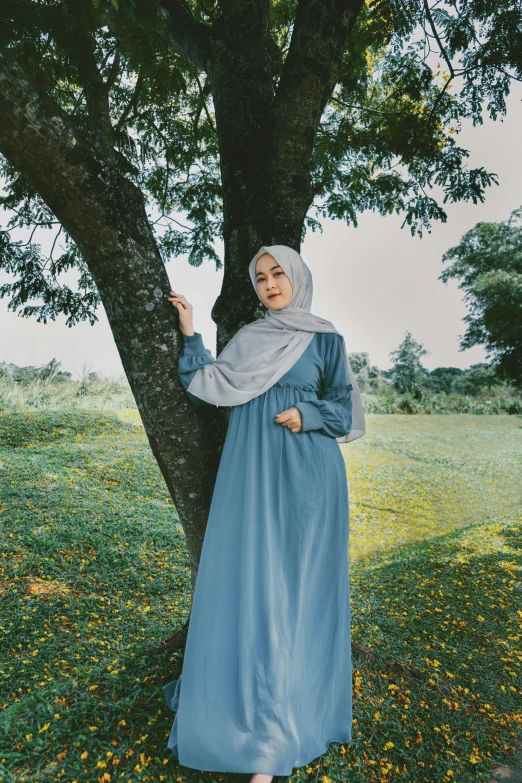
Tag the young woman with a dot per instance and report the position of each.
(266, 682)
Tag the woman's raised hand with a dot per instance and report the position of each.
(184, 309)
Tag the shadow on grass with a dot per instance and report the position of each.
(18, 430)
(450, 607)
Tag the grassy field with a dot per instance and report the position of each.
(94, 573)
(412, 477)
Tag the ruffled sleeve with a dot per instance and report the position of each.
(332, 412)
(193, 356)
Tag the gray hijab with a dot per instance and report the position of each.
(263, 351)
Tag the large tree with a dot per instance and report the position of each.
(487, 262)
(244, 116)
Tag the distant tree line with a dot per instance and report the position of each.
(407, 375)
(409, 379)
(29, 374)
(49, 372)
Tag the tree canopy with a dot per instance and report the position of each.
(163, 90)
(487, 262)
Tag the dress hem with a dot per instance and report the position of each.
(171, 692)
(298, 764)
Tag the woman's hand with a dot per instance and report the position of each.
(184, 309)
(290, 418)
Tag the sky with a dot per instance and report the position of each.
(374, 282)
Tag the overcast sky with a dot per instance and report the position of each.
(374, 282)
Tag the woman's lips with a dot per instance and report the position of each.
(273, 296)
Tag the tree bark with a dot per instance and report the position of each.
(104, 214)
(267, 132)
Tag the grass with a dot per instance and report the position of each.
(451, 608)
(413, 476)
(95, 572)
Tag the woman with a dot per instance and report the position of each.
(266, 680)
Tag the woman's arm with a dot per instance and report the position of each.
(332, 412)
(193, 356)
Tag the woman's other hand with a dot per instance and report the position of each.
(291, 418)
(186, 323)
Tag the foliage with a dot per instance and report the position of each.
(446, 390)
(409, 75)
(488, 264)
(501, 402)
(407, 372)
(26, 375)
(442, 379)
(46, 388)
(475, 381)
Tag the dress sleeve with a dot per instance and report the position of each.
(332, 412)
(193, 356)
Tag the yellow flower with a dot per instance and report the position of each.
(84, 754)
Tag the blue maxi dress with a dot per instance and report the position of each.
(266, 683)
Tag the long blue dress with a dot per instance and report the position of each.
(266, 683)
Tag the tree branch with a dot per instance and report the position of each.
(113, 73)
(204, 90)
(189, 37)
(309, 75)
(361, 108)
(76, 181)
(95, 89)
(132, 104)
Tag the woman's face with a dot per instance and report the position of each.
(273, 286)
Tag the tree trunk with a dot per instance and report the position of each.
(104, 214)
(267, 133)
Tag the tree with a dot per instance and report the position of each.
(488, 263)
(244, 115)
(476, 380)
(407, 372)
(52, 371)
(441, 379)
